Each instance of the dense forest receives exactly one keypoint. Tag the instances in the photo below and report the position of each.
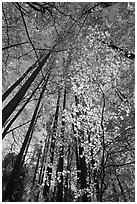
(68, 118)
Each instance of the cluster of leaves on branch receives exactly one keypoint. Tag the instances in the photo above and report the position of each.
(68, 101)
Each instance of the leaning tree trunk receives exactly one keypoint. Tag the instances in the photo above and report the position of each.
(52, 148)
(17, 114)
(10, 188)
(28, 144)
(11, 106)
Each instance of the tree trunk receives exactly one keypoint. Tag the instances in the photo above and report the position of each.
(46, 147)
(5, 95)
(36, 169)
(59, 197)
(95, 177)
(83, 174)
(20, 110)
(80, 160)
(11, 106)
(67, 178)
(52, 147)
(28, 144)
(42, 169)
(10, 188)
(60, 165)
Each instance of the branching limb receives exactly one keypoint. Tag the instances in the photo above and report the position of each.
(15, 45)
(119, 165)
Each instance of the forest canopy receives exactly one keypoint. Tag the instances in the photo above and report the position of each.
(68, 118)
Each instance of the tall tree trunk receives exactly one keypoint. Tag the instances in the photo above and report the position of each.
(11, 106)
(67, 178)
(60, 165)
(52, 147)
(17, 114)
(36, 169)
(5, 95)
(10, 188)
(83, 174)
(94, 176)
(28, 144)
(80, 160)
(44, 157)
(42, 169)
(59, 197)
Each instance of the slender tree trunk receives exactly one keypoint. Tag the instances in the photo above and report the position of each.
(59, 197)
(60, 165)
(44, 157)
(10, 188)
(11, 106)
(83, 174)
(95, 177)
(52, 147)
(36, 169)
(66, 180)
(42, 169)
(28, 144)
(17, 114)
(93, 174)
(67, 184)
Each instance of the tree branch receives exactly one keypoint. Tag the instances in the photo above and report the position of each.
(10, 46)
(119, 165)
